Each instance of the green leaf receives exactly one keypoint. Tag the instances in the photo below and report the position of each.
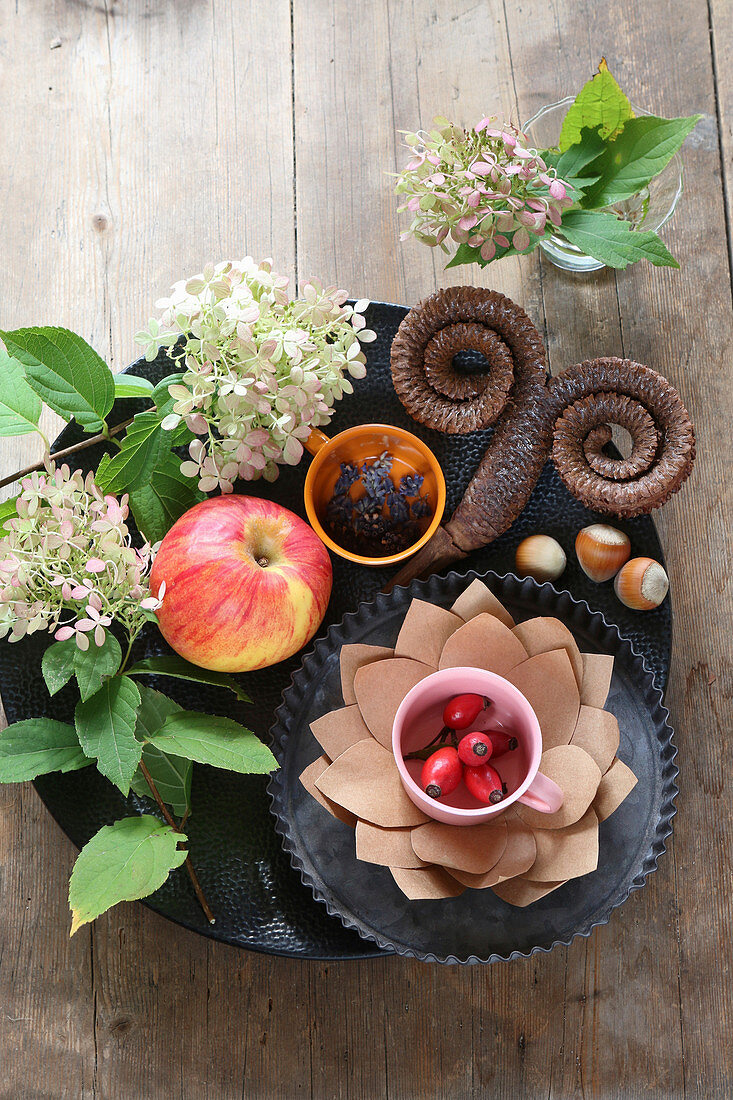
(122, 862)
(106, 728)
(131, 385)
(92, 666)
(599, 105)
(57, 664)
(221, 742)
(20, 406)
(172, 665)
(65, 372)
(37, 746)
(134, 463)
(640, 152)
(613, 241)
(466, 254)
(579, 156)
(171, 774)
(167, 495)
(8, 510)
(163, 400)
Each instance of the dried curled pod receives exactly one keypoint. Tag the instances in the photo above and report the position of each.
(511, 395)
(585, 400)
(570, 416)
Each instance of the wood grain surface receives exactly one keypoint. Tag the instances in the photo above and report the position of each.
(142, 138)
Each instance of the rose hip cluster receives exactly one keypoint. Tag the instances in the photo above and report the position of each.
(453, 755)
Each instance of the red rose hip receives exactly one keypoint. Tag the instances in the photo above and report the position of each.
(484, 783)
(475, 748)
(441, 773)
(501, 742)
(463, 710)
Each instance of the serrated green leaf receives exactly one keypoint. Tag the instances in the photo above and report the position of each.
(57, 664)
(105, 724)
(20, 406)
(466, 254)
(172, 665)
(122, 862)
(576, 159)
(65, 372)
(134, 463)
(37, 746)
(209, 739)
(92, 666)
(162, 398)
(599, 105)
(8, 511)
(167, 495)
(613, 241)
(171, 774)
(643, 148)
(131, 385)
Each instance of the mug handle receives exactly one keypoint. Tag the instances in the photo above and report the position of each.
(543, 795)
(315, 441)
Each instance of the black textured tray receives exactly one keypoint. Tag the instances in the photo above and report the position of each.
(258, 898)
(477, 926)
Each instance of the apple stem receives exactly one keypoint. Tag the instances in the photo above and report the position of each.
(171, 821)
(263, 562)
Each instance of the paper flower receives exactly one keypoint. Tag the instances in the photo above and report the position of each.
(523, 854)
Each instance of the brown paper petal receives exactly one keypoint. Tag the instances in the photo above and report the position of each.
(308, 779)
(473, 848)
(353, 657)
(578, 775)
(424, 632)
(484, 642)
(338, 730)
(426, 884)
(597, 732)
(597, 672)
(524, 891)
(548, 683)
(387, 847)
(478, 599)
(563, 854)
(616, 784)
(381, 687)
(543, 634)
(365, 780)
(517, 858)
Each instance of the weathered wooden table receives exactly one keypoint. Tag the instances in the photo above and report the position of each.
(142, 138)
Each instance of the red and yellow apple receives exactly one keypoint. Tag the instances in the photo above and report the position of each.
(247, 583)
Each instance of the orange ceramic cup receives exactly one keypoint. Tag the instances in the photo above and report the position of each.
(357, 445)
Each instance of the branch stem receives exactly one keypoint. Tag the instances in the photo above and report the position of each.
(103, 437)
(172, 822)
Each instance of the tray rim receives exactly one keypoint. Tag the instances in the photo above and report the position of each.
(139, 365)
(420, 588)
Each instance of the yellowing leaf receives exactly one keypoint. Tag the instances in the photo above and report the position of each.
(599, 105)
(122, 862)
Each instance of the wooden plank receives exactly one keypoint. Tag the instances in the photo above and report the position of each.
(130, 168)
(721, 39)
(137, 155)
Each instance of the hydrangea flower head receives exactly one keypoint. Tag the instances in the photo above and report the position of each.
(258, 370)
(482, 187)
(67, 564)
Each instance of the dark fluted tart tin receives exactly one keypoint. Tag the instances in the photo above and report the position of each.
(259, 899)
(477, 926)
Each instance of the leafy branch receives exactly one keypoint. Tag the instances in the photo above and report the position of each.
(57, 367)
(66, 551)
(139, 739)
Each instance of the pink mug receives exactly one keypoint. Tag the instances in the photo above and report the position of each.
(419, 717)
